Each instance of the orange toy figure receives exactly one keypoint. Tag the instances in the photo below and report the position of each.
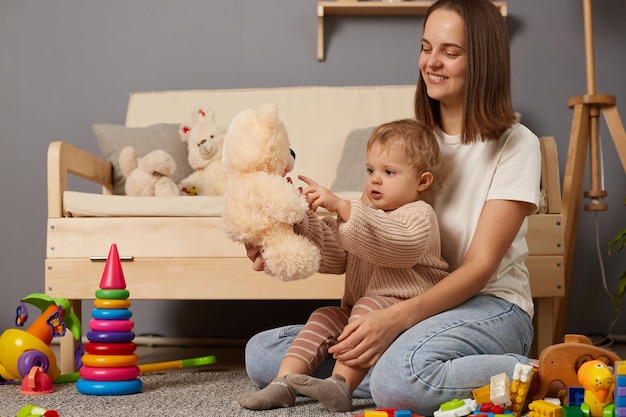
(598, 381)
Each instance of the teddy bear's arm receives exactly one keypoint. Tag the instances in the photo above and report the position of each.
(278, 199)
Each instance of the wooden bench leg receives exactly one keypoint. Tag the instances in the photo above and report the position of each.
(68, 344)
(544, 325)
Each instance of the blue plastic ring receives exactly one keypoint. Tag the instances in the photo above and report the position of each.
(111, 314)
(110, 337)
(85, 386)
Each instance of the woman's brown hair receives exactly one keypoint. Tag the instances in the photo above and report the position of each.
(488, 108)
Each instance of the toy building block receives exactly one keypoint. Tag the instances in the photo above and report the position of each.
(375, 413)
(387, 412)
(619, 370)
(575, 396)
(523, 376)
(456, 408)
(542, 408)
(572, 411)
(482, 394)
(500, 389)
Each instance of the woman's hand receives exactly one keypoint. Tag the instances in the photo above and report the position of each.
(254, 253)
(364, 340)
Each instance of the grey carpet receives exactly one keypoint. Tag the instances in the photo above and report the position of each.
(165, 394)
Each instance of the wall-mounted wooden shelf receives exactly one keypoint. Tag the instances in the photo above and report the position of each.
(372, 8)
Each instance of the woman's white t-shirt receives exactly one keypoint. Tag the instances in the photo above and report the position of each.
(505, 169)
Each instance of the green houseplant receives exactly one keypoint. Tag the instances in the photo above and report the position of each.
(619, 241)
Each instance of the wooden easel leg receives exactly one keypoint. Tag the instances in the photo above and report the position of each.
(572, 194)
(616, 129)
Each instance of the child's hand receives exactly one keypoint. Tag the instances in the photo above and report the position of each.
(318, 196)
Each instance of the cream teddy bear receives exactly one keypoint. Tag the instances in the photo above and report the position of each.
(204, 139)
(150, 175)
(260, 204)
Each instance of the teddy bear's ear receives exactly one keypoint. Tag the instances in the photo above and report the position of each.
(268, 111)
(184, 130)
(204, 113)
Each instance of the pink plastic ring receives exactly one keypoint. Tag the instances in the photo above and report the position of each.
(123, 373)
(111, 325)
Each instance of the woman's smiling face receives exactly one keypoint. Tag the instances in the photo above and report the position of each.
(443, 59)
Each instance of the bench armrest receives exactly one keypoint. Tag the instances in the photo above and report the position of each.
(64, 159)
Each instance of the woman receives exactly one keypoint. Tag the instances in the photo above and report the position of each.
(477, 321)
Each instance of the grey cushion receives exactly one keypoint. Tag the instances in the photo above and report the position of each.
(113, 138)
(351, 169)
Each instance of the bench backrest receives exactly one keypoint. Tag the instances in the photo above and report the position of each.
(318, 119)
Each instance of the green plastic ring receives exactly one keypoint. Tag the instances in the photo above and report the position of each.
(112, 294)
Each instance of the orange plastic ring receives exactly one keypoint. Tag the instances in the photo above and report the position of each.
(109, 361)
(111, 304)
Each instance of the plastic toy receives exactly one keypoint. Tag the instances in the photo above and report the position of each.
(147, 367)
(598, 381)
(31, 410)
(619, 371)
(500, 390)
(482, 394)
(387, 412)
(20, 350)
(523, 377)
(36, 382)
(110, 364)
(575, 396)
(456, 408)
(542, 408)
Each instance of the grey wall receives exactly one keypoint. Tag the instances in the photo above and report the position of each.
(67, 64)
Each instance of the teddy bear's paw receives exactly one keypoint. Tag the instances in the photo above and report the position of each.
(291, 257)
(165, 187)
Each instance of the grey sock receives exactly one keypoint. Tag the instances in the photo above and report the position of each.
(277, 394)
(333, 392)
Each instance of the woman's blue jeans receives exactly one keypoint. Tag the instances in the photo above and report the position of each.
(441, 358)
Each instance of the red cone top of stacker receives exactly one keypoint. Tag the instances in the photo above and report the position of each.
(113, 276)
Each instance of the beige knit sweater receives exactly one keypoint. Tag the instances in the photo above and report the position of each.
(395, 253)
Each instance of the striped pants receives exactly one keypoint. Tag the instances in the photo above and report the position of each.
(326, 324)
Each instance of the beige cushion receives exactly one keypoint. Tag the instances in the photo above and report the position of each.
(113, 138)
(78, 204)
